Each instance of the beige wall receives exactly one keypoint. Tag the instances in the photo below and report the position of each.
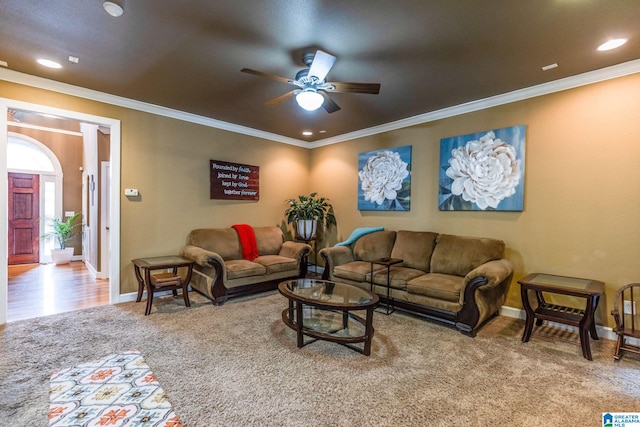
(582, 185)
(167, 160)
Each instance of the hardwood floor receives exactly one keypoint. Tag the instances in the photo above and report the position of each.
(42, 289)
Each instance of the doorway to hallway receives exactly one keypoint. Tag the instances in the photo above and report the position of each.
(114, 128)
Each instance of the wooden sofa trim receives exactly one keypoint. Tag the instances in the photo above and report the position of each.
(221, 293)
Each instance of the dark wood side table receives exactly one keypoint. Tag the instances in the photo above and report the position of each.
(583, 319)
(315, 253)
(386, 262)
(162, 281)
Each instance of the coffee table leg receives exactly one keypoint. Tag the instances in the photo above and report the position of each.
(299, 324)
(368, 331)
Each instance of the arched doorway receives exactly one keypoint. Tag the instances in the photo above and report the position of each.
(28, 156)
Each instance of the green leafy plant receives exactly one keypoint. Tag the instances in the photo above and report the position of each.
(63, 231)
(310, 207)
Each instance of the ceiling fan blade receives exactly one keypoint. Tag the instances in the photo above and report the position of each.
(267, 75)
(372, 88)
(278, 99)
(329, 105)
(322, 63)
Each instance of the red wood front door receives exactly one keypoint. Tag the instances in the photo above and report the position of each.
(24, 223)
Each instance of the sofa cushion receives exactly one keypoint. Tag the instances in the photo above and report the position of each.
(414, 248)
(237, 268)
(356, 270)
(374, 245)
(441, 286)
(223, 241)
(268, 239)
(398, 276)
(277, 263)
(459, 255)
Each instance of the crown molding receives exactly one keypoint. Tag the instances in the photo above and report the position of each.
(94, 95)
(566, 83)
(608, 73)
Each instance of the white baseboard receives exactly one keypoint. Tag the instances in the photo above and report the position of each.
(131, 296)
(603, 331)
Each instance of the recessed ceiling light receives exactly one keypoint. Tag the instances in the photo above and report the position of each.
(612, 44)
(113, 8)
(307, 133)
(49, 63)
(73, 59)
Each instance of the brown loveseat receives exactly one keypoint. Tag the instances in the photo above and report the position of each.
(220, 271)
(458, 280)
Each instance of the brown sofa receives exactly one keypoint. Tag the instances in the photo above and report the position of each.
(220, 272)
(458, 280)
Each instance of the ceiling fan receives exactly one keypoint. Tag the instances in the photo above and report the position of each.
(311, 86)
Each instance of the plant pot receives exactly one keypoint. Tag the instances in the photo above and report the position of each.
(307, 229)
(61, 256)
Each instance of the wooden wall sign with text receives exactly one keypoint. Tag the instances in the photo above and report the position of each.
(233, 181)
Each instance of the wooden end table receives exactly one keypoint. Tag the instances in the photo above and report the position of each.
(162, 281)
(386, 262)
(583, 319)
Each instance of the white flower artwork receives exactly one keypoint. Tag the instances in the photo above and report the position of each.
(483, 171)
(384, 179)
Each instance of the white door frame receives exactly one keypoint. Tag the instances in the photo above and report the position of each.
(105, 184)
(114, 220)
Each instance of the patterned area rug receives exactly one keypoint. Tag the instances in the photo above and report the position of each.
(119, 390)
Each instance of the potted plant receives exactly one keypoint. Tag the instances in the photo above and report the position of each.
(62, 231)
(308, 212)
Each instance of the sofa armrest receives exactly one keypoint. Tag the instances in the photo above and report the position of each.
(209, 262)
(200, 256)
(495, 272)
(484, 293)
(333, 256)
(295, 250)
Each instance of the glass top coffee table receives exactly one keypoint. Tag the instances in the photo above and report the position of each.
(323, 310)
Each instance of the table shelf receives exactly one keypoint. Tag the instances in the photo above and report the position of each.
(583, 319)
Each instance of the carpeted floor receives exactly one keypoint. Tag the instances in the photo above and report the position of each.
(238, 365)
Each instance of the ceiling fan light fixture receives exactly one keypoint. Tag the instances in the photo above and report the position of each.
(309, 99)
(113, 8)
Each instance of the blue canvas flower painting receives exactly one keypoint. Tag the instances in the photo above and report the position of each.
(483, 171)
(384, 179)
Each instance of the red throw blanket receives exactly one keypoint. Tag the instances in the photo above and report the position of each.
(247, 241)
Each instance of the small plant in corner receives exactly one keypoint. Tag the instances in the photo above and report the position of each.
(309, 211)
(63, 231)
